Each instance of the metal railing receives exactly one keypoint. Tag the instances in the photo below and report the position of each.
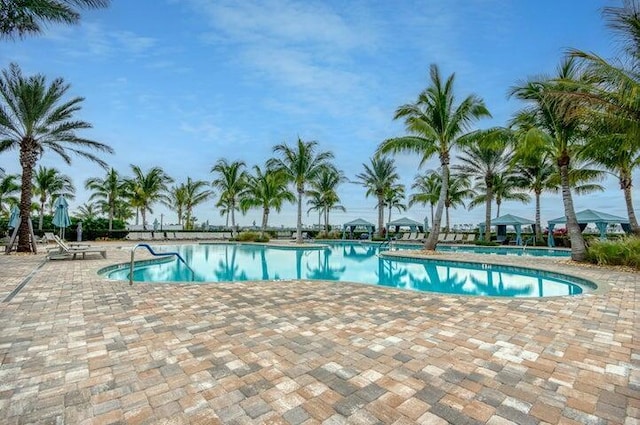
(156, 254)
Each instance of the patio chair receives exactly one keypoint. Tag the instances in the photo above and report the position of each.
(450, 237)
(471, 238)
(67, 251)
(419, 237)
(442, 237)
(458, 238)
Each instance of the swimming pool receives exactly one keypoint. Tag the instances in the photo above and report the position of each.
(350, 262)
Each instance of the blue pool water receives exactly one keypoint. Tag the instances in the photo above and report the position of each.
(351, 262)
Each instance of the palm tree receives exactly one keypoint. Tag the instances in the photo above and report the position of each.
(107, 191)
(459, 190)
(323, 192)
(378, 179)
(485, 156)
(147, 188)
(230, 180)
(428, 190)
(436, 124)
(265, 189)
(178, 200)
(9, 188)
(195, 194)
(612, 96)
(47, 184)
(19, 18)
(556, 132)
(34, 119)
(87, 212)
(507, 187)
(301, 165)
(123, 210)
(393, 199)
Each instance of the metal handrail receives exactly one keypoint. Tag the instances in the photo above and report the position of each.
(157, 254)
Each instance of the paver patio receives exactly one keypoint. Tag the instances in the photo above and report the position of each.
(77, 348)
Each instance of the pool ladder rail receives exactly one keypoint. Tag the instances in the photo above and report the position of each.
(156, 254)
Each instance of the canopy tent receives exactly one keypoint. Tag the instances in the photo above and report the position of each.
(357, 223)
(415, 226)
(601, 220)
(503, 221)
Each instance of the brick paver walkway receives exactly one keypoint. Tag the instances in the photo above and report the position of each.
(76, 348)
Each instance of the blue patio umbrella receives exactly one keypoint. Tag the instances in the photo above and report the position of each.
(61, 216)
(14, 217)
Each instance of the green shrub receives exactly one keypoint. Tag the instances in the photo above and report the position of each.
(620, 252)
(252, 237)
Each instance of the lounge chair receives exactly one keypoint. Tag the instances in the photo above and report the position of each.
(458, 238)
(67, 251)
(450, 237)
(471, 238)
(405, 237)
(442, 237)
(419, 237)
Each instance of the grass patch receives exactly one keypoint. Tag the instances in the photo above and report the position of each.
(252, 237)
(620, 252)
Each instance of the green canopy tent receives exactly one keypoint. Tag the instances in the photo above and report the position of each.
(355, 224)
(601, 220)
(503, 221)
(414, 226)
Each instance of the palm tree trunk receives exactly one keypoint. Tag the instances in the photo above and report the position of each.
(625, 183)
(299, 221)
(143, 210)
(578, 247)
(28, 158)
(538, 223)
(41, 219)
(380, 215)
(432, 240)
(498, 203)
(265, 219)
(446, 214)
(431, 217)
(326, 222)
(233, 217)
(111, 208)
(487, 213)
(137, 215)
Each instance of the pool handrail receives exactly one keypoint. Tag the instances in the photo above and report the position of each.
(156, 254)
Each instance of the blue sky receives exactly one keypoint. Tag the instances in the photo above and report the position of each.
(182, 83)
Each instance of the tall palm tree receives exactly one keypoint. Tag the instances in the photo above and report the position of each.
(107, 191)
(177, 200)
(323, 190)
(147, 189)
(34, 119)
(556, 132)
(378, 180)
(393, 199)
(229, 180)
(49, 183)
(427, 187)
(9, 188)
(195, 194)
(123, 210)
(459, 190)
(485, 156)
(436, 123)
(301, 164)
(266, 189)
(19, 18)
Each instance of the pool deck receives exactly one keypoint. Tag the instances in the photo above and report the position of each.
(79, 349)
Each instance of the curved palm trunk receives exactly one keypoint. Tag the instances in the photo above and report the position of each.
(299, 221)
(28, 158)
(380, 215)
(578, 247)
(432, 240)
(498, 203)
(538, 224)
(143, 211)
(446, 217)
(625, 185)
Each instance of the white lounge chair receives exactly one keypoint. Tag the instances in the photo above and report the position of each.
(67, 251)
(442, 237)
